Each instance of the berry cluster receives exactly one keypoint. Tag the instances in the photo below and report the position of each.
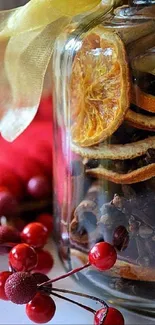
(27, 284)
(25, 171)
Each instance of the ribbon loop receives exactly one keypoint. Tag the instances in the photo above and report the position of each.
(27, 36)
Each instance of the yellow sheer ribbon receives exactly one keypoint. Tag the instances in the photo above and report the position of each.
(27, 36)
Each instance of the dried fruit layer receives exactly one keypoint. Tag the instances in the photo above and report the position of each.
(99, 87)
(121, 269)
(140, 121)
(138, 175)
(143, 100)
(116, 151)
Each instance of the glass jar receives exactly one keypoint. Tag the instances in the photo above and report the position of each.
(104, 156)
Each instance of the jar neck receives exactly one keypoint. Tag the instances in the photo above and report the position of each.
(144, 3)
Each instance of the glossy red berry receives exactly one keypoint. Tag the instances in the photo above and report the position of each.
(103, 256)
(23, 257)
(47, 220)
(39, 187)
(41, 309)
(45, 262)
(41, 278)
(110, 316)
(9, 234)
(3, 277)
(21, 287)
(35, 234)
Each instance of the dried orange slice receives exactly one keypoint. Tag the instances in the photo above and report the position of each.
(140, 121)
(121, 269)
(136, 176)
(143, 100)
(116, 151)
(99, 87)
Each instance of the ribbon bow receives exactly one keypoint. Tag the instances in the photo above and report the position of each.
(27, 36)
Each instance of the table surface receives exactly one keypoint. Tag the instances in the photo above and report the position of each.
(66, 314)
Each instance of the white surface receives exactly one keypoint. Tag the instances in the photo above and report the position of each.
(66, 313)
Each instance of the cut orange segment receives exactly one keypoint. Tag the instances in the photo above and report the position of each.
(143, 100)
(99, 87)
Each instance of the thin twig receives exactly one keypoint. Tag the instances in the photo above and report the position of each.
(81, 295)
(74, 302)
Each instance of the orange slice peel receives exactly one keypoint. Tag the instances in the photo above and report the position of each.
(99, 88)
(140, 121)
(135, 176)
(143, 100)
(116, 151)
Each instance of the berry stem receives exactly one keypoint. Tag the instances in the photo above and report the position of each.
(81, 295)
(65, 275)
(74, 302)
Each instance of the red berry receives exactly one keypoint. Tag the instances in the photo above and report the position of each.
(35, 234)
(103, 256)
(39, 187)
(3, 277)
(41, 309)
(45, 262)
(23, 257)
(41, 278)
(21, 287)
(8, 204)
(9, 234)
(111, 316)
(47, 220)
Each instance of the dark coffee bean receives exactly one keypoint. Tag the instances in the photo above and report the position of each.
(121, 238)
(76, 168)
(119, 166)
(92, 163)
(151, 153)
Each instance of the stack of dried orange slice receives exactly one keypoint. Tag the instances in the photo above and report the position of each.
(100, 96)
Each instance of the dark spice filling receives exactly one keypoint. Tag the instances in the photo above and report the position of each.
(124, 166)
